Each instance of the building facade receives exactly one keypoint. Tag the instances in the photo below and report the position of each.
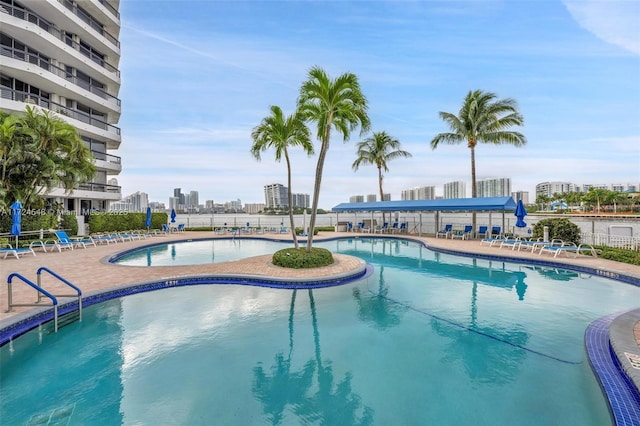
(276, 196)
(356, 199)
(494, 187)
(421, 193)
(521, 195)
(456, 189)
(63, 56)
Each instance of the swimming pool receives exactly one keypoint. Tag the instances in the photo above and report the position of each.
(429, 338)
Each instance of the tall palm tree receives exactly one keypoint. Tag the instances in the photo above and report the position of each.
(377, 150)
(330, 103)
(280, 133)
(482, 118)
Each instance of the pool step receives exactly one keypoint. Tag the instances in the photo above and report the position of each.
(58, 417)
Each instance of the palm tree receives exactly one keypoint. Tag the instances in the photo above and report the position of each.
(330, 103)
(482, 118)
(280, 133)
(377, 150)
(543, 199)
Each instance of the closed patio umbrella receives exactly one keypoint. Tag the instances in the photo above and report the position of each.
(147, 222)
(173, 215)
(520, 213)
(16, 218)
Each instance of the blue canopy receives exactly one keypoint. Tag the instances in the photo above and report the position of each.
(449, 204)
(147, 222)
(520, 213)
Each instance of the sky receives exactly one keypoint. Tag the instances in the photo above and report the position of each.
(198, 76)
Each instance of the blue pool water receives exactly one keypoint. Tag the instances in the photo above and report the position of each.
(428, 338)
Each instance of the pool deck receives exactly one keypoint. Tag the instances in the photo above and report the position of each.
(89, 270)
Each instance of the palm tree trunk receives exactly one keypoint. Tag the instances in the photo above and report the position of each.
(290, 198)
(316, 191)
(474, 192)
(291, 311)
(381, 192)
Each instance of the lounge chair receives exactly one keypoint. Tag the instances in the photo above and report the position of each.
(394, 227)
(482, 231)
(445, 232)
(403, 228)
(165, 229)
(382, 229)
(512, 242)
(64, 239)
(464, 234)
(16, 252)
(496, 232)
(568, 248)
(180, 227)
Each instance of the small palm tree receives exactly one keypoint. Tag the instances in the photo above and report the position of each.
(280, 133)
(481, 118)
(378, 150)
(330, 103)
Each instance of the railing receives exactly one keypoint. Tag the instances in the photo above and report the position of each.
(88, 19)
(34, 59)
(29, 16)
(99, 187)
(78, 291)
(106, 157)
(43, 102)
(617, 241)
(39, 289)
(110, 8)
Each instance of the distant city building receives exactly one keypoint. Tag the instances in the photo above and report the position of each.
(421, 193)
(521, 195)
(254, 208)
(174, 203)
(157, 206)
(372, 198)
(276, 196)
(551, 188)
(193, 200)
(456, 189)
(301, 200)
(386, 197)
(548, 189)
(356, 199)
(233, 206)
(138, 202)
(494, 187)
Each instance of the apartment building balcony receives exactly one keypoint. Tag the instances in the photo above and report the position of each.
(53, 79)
(89, 190)
(14, 100)
(110, 163)
(37, 32)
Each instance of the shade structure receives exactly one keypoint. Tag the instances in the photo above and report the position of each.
(147, 222)
(446, 205)
(173, 215)
(16, 219)
(520, 213)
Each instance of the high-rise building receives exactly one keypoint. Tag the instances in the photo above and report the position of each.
(456, 189)
(521, 195)
(63, 56)
(301, 200)
(386, 197)
(421, 193)
(356, 199)
(548, 189)
(372, 198)
(494, 187)
(276, 196)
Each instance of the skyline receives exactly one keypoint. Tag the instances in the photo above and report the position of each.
(197, 79)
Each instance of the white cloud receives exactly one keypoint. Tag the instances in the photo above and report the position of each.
(615, 22)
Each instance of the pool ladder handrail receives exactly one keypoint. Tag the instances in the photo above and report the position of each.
(41, 291)
(65, 281)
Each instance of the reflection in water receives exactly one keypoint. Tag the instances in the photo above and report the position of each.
(378, 308)
(329, 405)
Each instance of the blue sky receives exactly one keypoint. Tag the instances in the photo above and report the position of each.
(198, 76)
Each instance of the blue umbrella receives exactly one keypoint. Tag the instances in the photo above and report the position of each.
(173, 216)
(16, 217)
(148, 221)
(520, 213)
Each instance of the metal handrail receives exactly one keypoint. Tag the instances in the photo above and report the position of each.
(38, 289)
(90, 20)
(29, 16)
(79, 292)
(13, 53)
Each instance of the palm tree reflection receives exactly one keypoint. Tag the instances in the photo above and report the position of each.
(378, 308)
(329, 405)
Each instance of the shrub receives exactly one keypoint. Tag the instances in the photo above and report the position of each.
(619, 255)
(69, 222)
(560, 228)
(300, 259)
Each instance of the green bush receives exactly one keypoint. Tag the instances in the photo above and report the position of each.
(619, 255)
(300, 259)
(560, 228)
(116, 221)
(70, 223)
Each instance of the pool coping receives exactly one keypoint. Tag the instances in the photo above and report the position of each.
(617, 331)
